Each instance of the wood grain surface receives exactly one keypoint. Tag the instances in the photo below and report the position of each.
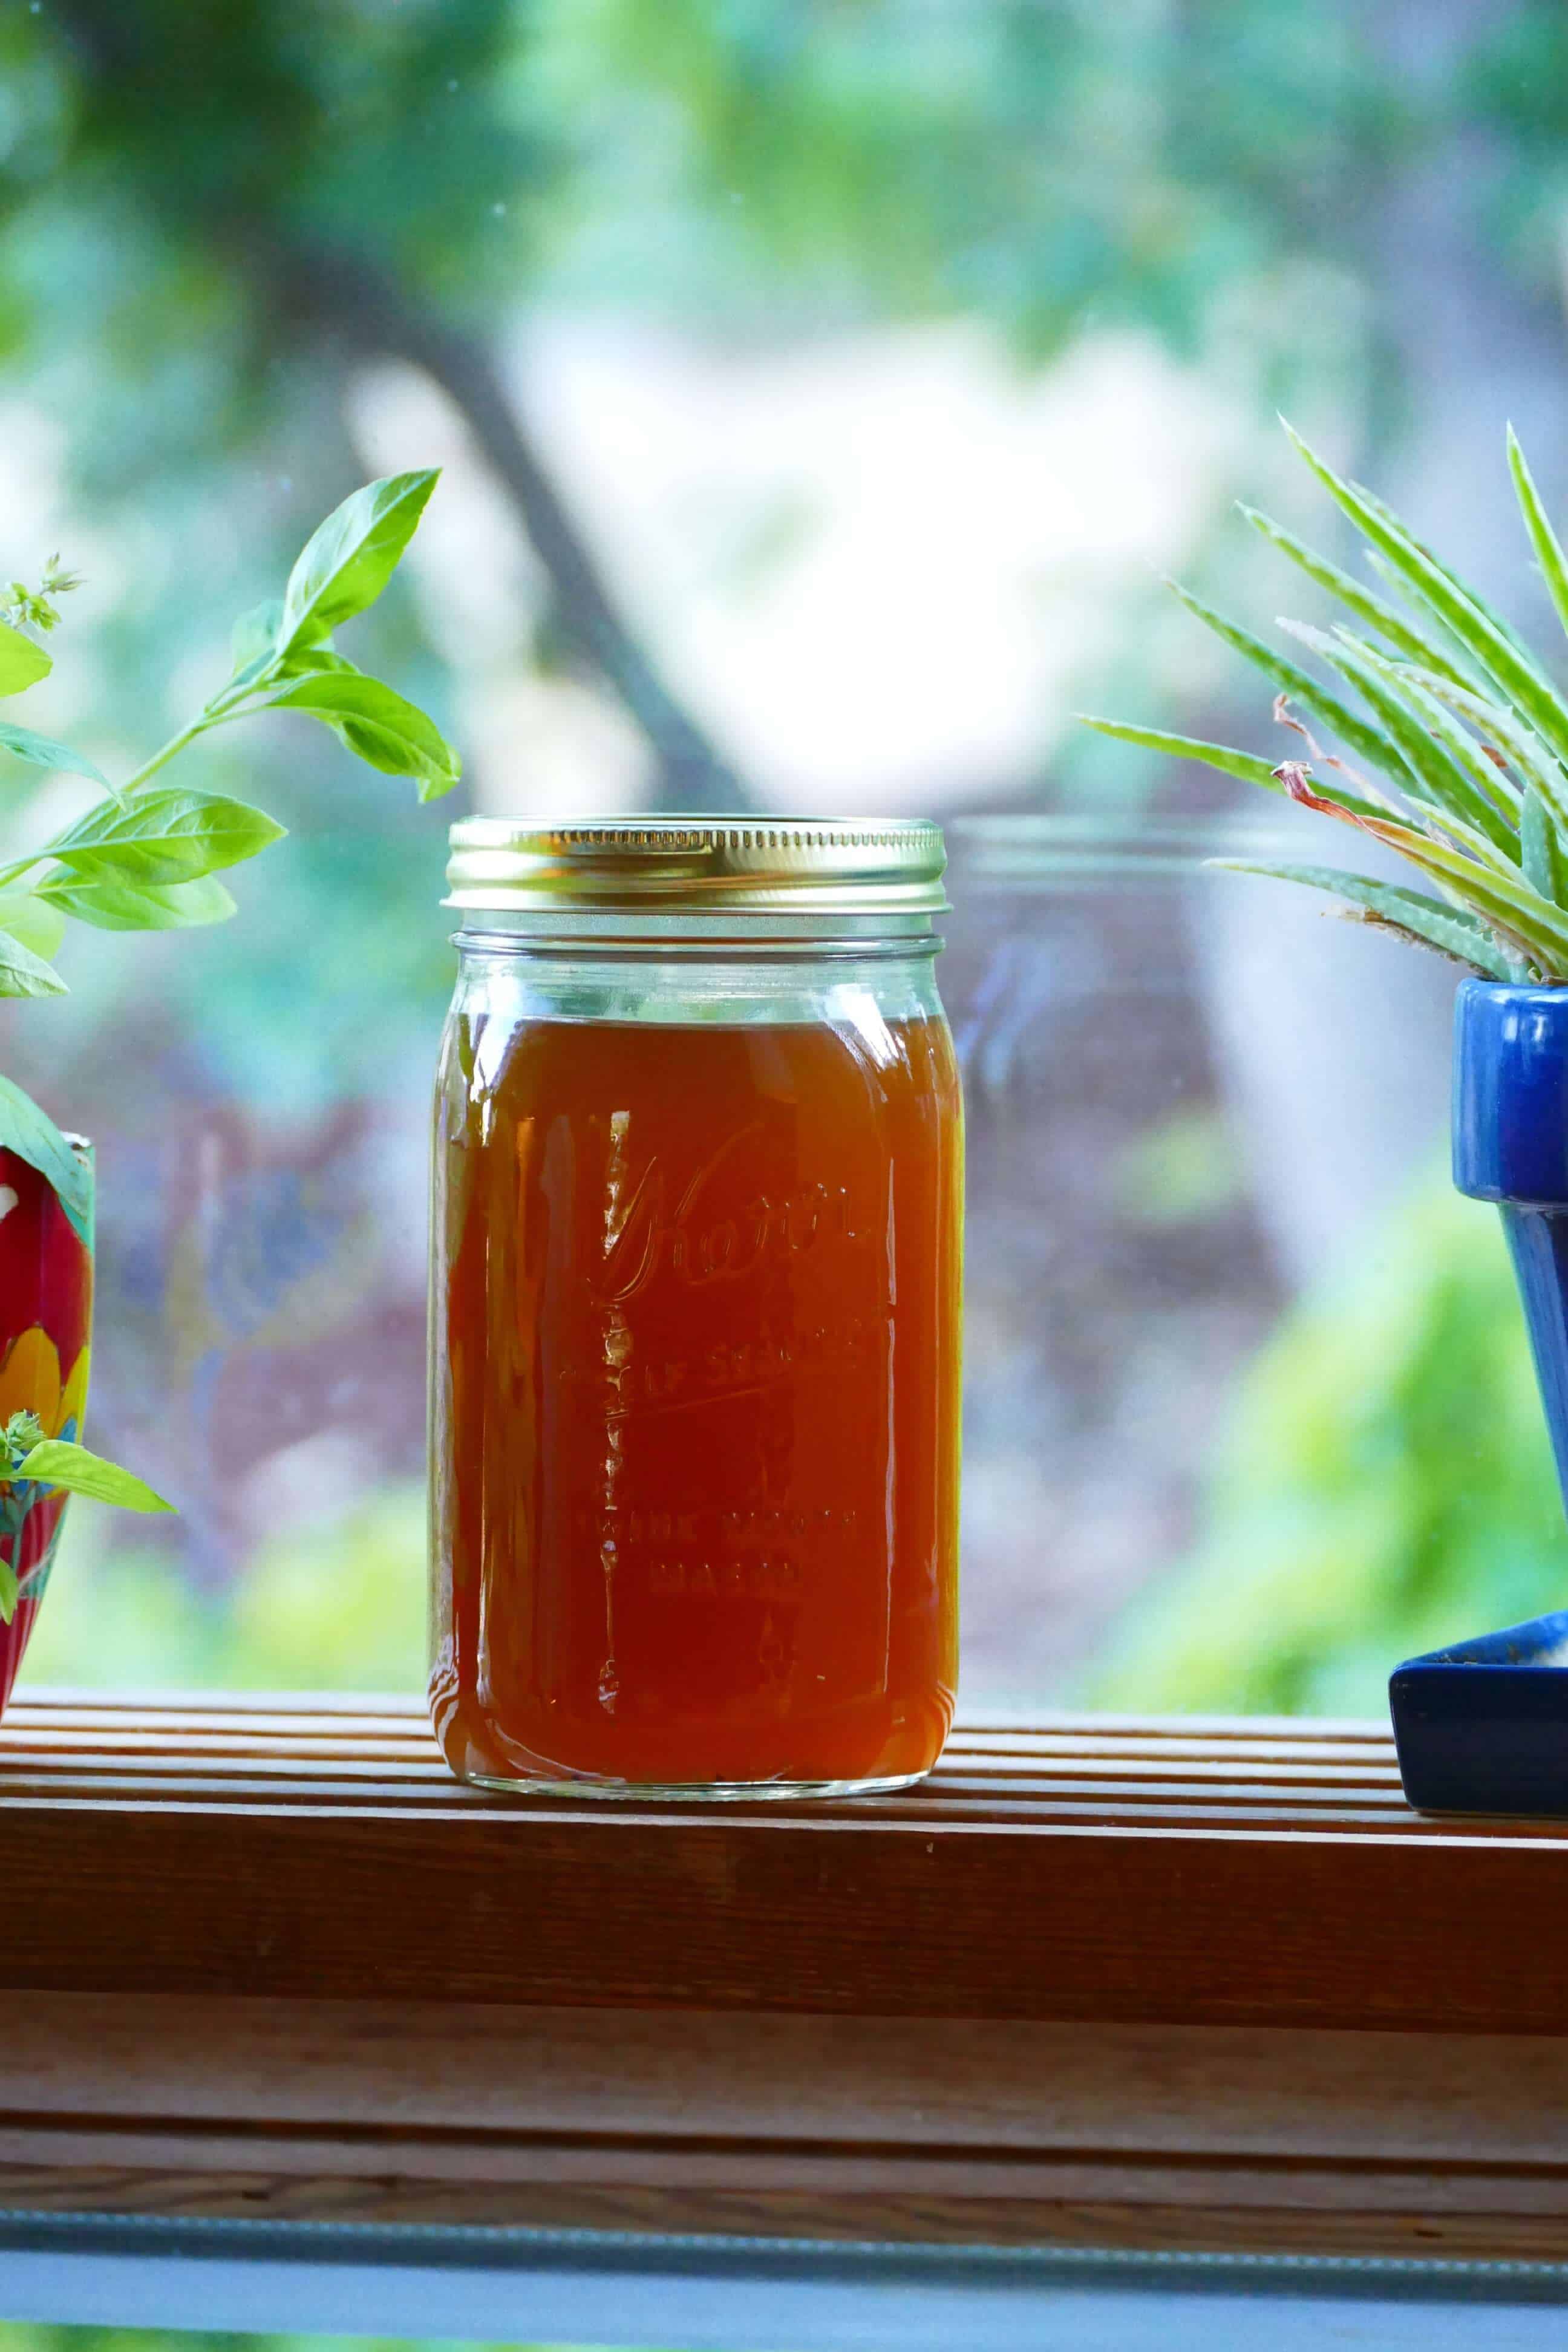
(1157, 2135)
(1234, 1873)
(1097, 1982)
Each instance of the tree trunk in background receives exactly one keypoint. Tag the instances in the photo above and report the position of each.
(350, 298)
(344, 295)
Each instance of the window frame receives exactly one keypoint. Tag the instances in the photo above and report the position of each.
(1206, 1984)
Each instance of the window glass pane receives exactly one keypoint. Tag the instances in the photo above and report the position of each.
(819, 394)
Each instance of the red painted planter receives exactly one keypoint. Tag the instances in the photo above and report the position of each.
(46, 1325)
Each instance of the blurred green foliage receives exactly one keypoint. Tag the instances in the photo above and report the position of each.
(339, 1606)
(1186, 1167)
(1384, 1486)
(162, 173)
(35, 2337)
(203, 215)
(1044, 163)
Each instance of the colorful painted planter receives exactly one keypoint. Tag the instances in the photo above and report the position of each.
(46, 1326)
(1482, 1726)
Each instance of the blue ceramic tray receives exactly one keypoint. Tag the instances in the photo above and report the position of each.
(1483, 1727)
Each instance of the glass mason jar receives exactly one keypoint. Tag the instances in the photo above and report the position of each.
(695, 1329)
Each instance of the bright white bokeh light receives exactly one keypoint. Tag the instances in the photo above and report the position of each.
(873, 566)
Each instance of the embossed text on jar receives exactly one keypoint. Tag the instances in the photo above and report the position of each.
(697, 1398)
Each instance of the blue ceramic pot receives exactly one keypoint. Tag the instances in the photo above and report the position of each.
(1511, 1146)
(1483, 1727)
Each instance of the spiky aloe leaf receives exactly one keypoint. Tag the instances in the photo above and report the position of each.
(1480, 631)
(1431, 771)
(1427, 920)
(1437, 720)
(1515, 967)
(1471, 594)
(1512, 909)
(1389, 623)
(1505, 732)
(1245, 765)
(1457, 661)
(1299, 684)
(1544, 864)
(1543, 539)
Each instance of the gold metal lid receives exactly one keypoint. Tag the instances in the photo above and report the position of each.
(698, 865)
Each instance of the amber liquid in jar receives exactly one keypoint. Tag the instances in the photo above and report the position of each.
(696, 1401)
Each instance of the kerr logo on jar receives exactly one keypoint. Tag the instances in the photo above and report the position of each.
(698, 1238)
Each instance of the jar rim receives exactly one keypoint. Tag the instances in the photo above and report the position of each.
(1036, 847)
(699, 865)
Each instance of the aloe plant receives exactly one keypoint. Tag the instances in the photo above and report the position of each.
(1453, 750)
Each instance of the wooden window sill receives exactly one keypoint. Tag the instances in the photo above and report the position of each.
(1158, 1984)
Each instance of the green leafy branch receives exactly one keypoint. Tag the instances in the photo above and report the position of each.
(1463, 732)
(32, 1465)
(147, 856)
(37, 608)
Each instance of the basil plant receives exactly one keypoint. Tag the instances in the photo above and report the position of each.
(148, 854)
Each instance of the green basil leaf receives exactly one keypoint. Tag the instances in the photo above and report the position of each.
(22, 662)
(306, 660)
(376, 722)
(349, 561)
(164, 837)
(7, 1593)
(33, 1136)
(57, 1462)
(254, 635)
(44, 753)
(27, 917)
(118, 906)
(23, 974)
(1446, 929)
